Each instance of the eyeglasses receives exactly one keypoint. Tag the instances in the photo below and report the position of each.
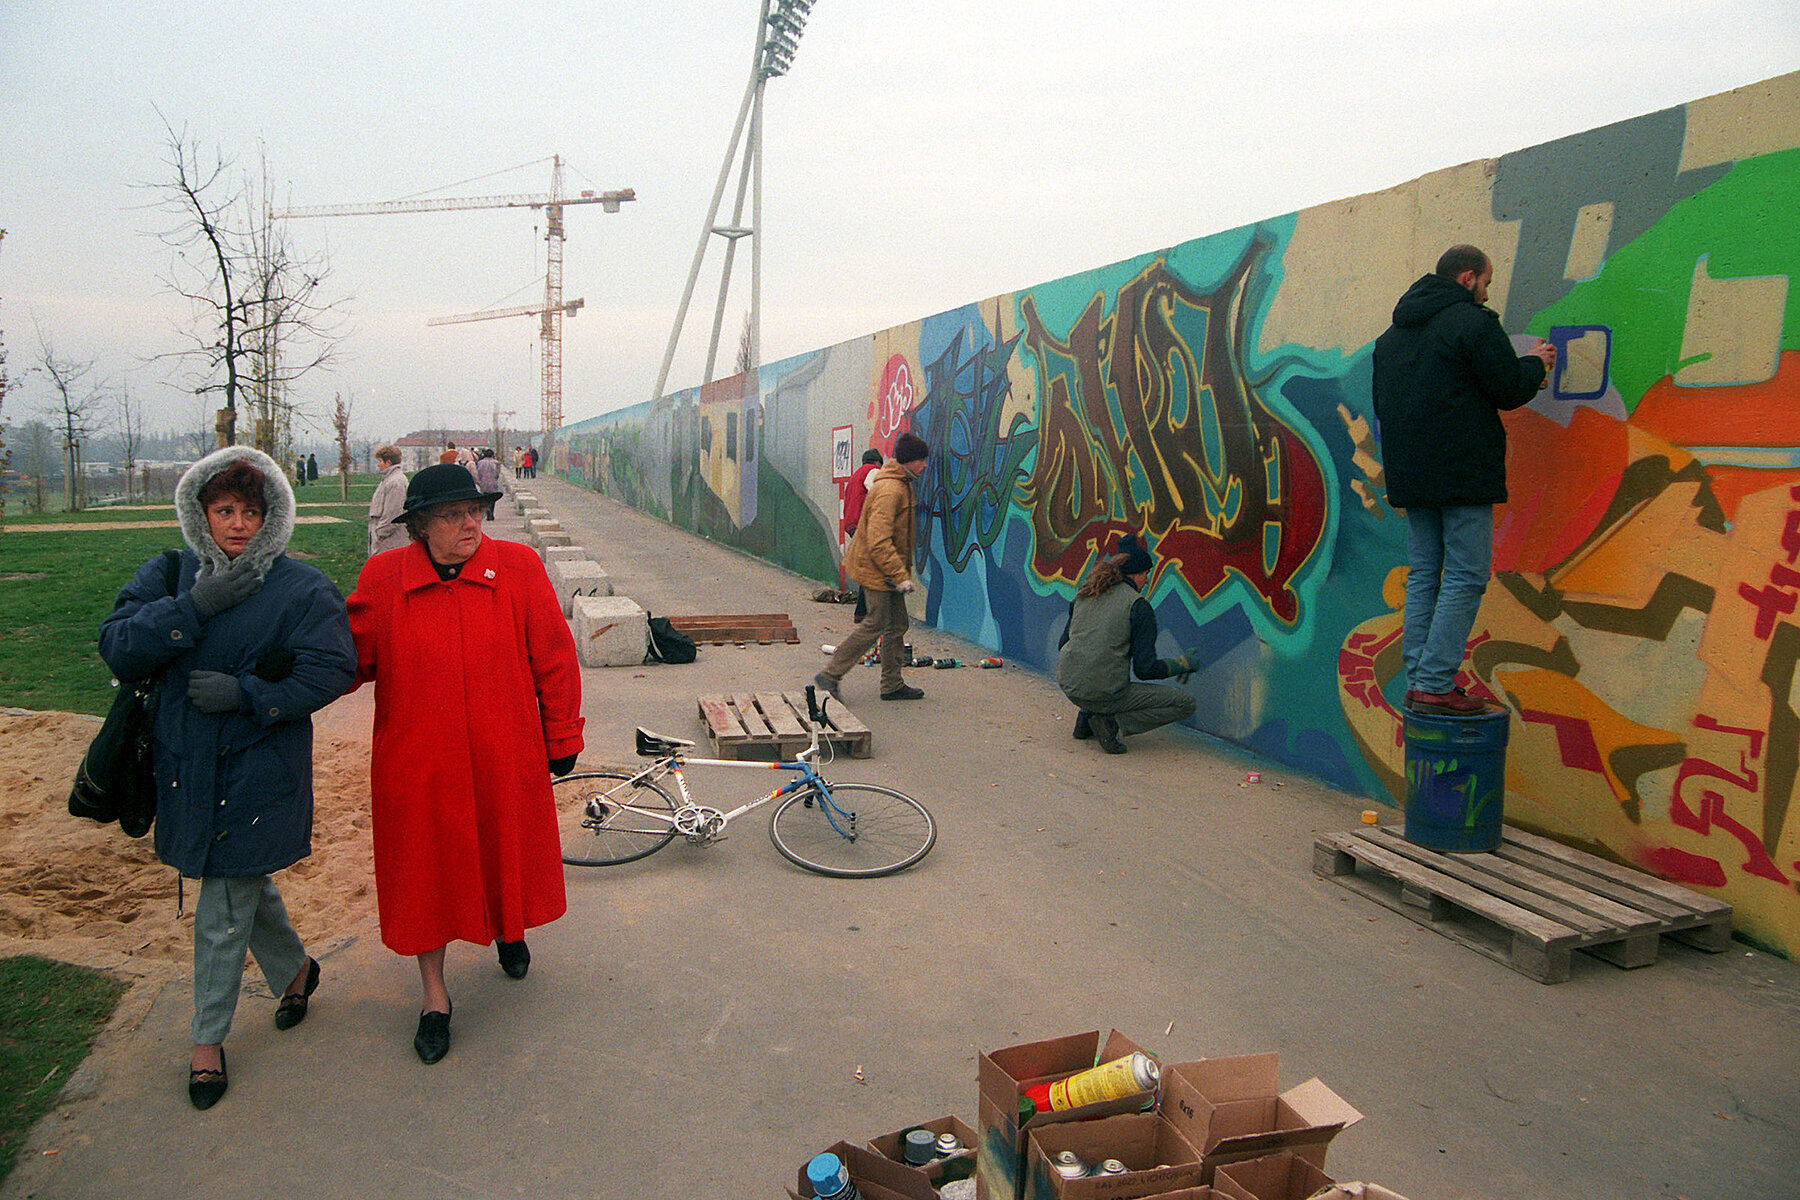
(456, 514)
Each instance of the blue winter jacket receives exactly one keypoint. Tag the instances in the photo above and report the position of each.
(234, 790)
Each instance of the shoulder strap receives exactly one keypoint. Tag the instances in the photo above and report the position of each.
(172, 569)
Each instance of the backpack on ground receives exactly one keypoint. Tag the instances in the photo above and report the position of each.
(669, 644)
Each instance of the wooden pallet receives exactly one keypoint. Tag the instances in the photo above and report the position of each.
(778, 721)
(1529, 904)
(761, 628)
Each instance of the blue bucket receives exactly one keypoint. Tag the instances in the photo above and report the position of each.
(1456, 779)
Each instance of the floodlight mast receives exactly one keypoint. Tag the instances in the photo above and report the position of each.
(777, 39)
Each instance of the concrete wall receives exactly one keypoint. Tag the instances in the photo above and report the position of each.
(1215, 396)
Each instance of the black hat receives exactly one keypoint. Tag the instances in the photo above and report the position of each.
(1137, 559)
(910, 447)
(441, 483)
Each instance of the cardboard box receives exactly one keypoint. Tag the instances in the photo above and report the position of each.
(1229, 1109)
(1003, 1076)
(1283, 1176)
(888, 1144)
(875, 1177)
(1159, 1158)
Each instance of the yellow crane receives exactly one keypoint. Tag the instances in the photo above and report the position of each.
(552, 202)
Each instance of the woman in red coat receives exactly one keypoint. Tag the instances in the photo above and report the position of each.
(477, 706)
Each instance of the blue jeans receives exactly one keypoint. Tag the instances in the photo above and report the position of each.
(1449, 553)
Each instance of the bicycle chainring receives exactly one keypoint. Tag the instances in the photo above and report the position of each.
(699, 823)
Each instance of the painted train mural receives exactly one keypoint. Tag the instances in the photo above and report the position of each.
(1643, 622)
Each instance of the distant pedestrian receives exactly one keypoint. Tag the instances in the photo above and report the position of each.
(1111, 636)
(312, 467)
(300, 471)
(880, 559)
(386, 503)
(487, 477)
(1444, 371)
(449, 454)
(854, 494)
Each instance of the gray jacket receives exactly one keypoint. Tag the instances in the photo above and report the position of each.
(234, 790)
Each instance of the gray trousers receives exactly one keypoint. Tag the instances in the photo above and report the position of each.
(234, 915)
(1143, 706)
(887, 622)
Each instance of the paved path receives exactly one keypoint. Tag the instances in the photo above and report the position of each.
(695, 1025)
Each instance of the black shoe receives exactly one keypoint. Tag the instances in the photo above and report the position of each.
(432, 1041)
(826, 683)
(205, 1087)
(1083, 730)
(1106, 732)
(292, 1009)
(904, 692)
(515, 958)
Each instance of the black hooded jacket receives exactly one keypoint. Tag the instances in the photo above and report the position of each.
(1444, 371)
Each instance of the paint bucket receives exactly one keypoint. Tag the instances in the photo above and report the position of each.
(1456, 779)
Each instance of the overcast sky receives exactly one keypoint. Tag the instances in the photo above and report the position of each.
(919, 156)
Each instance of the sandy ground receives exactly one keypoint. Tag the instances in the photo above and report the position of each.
(86, 893)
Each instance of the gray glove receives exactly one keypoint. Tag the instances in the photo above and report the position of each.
(213, 692)
(217, 592)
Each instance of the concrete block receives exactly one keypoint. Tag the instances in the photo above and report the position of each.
(547, 539)
(579, 578)
(610, 631)
(564, 554)
(524, 500)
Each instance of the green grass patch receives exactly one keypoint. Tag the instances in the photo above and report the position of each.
(50, 1013)
(57, 586)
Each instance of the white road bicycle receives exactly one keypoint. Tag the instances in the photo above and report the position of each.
(848, 830)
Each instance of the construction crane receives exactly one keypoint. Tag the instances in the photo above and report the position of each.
(552, 202)
(522, 310)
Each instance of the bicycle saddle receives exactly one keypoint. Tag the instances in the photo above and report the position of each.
(655, 745)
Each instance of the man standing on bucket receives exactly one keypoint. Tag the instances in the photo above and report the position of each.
(1444, 371)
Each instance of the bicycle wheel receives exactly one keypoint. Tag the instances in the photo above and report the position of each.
(605, 819)
(879, 831)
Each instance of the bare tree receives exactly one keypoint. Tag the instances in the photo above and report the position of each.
(259, 322)
(36, 456)
(6, 385)
(78, 402)
(131, 434)
(340, 421)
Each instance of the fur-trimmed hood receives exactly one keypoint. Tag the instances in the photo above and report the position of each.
(270, 541)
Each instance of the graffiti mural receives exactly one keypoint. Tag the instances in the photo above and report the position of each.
(1643, 621)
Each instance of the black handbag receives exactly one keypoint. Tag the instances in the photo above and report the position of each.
(116, 780)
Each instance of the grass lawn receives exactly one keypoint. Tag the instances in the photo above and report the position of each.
(56, 588)
(50, 1013)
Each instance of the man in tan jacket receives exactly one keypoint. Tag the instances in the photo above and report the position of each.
(880, 559)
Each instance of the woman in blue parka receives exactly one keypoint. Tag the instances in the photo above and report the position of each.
(250, 644)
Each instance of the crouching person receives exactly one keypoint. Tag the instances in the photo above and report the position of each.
(1111, 635)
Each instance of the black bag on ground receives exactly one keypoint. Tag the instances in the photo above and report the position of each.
(115, 781)
(669, 644)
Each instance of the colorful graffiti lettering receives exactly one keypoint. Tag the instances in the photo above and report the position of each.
(893, 400)
(1147, 424)
(968, 485)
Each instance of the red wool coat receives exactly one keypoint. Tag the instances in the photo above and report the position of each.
(477, 688)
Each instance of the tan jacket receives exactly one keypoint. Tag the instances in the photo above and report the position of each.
(881, 553)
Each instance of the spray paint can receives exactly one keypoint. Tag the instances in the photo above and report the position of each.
(1113, 1080)
(830, 1178)
(990, 663)
(948, 1144)
(1069, 1165)
(1111, 1166)
(920, 1147)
